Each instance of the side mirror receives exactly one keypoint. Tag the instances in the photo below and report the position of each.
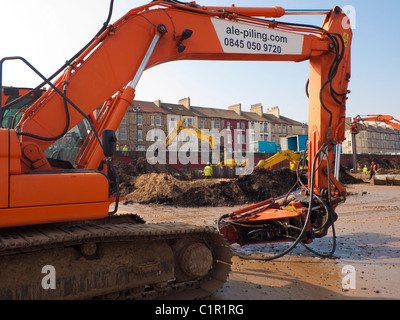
(109, 142)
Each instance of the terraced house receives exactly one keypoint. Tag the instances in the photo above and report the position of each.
(230, 125)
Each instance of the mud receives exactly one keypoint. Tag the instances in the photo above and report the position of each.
(166, 189)
(367, 239)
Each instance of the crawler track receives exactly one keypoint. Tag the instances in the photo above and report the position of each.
(117, 257)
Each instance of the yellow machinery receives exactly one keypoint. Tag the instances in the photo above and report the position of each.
(212, 142)
(202, 135)
(293, 157)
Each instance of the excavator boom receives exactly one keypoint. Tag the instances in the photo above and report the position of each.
(56, 156)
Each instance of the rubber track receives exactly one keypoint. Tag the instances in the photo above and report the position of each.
(129, 227)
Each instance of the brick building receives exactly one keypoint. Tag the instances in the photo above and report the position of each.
(136, 130)
(230, 125)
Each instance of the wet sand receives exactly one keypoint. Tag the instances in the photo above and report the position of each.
(367, 252)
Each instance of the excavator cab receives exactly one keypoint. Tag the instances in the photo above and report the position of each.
(64, 151)
(10, 116)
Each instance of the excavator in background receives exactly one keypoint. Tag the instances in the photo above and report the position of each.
(293, 157)
(212, 143)
(55, 212)
(355, 129)
(200, 134)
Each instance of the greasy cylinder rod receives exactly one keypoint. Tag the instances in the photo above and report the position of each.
(306, 11)
(161, 30)
(273, 12)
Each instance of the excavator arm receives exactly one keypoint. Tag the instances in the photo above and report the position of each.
(157, 33)
(389, 120)
(290, 155)
(198, 133)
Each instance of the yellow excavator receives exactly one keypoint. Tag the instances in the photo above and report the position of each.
(204, 136)
(293, 157)
(200, 134)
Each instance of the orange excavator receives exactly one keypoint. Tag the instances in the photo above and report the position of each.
(355, 129)
(57, 173)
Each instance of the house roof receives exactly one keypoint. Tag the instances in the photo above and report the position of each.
(146, 107)
(177, 109)
(291, 121)
(252, 116)
(207, 112)
(216, 113)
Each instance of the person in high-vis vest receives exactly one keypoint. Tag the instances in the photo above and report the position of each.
(372, 170)
(208, 171)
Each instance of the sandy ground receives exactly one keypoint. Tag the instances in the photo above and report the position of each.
(367, 252)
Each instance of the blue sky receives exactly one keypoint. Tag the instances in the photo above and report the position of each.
(48, 32)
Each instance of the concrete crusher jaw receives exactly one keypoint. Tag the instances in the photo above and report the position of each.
(115, 258)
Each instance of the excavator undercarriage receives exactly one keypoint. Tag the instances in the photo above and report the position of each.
(117, 257)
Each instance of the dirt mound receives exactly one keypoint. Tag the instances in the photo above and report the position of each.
(346, 178)
(143, 183)
(128, 173)
(382, 164)
(166, 189)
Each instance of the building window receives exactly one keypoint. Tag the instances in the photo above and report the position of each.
(140, 148)
(123, 134)
(202, 124)
(273, 129)
(229, 138)
(152, 120)
(188, 122)
(228, 125)
(217, 124)
(140, 135)
(124, 121)
(243, 126)
(158, 121)
(139, 120)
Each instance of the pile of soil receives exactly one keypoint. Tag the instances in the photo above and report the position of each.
(346, 178)
(163, 188)
(143, 183)
(128, 173)
(383, 165)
